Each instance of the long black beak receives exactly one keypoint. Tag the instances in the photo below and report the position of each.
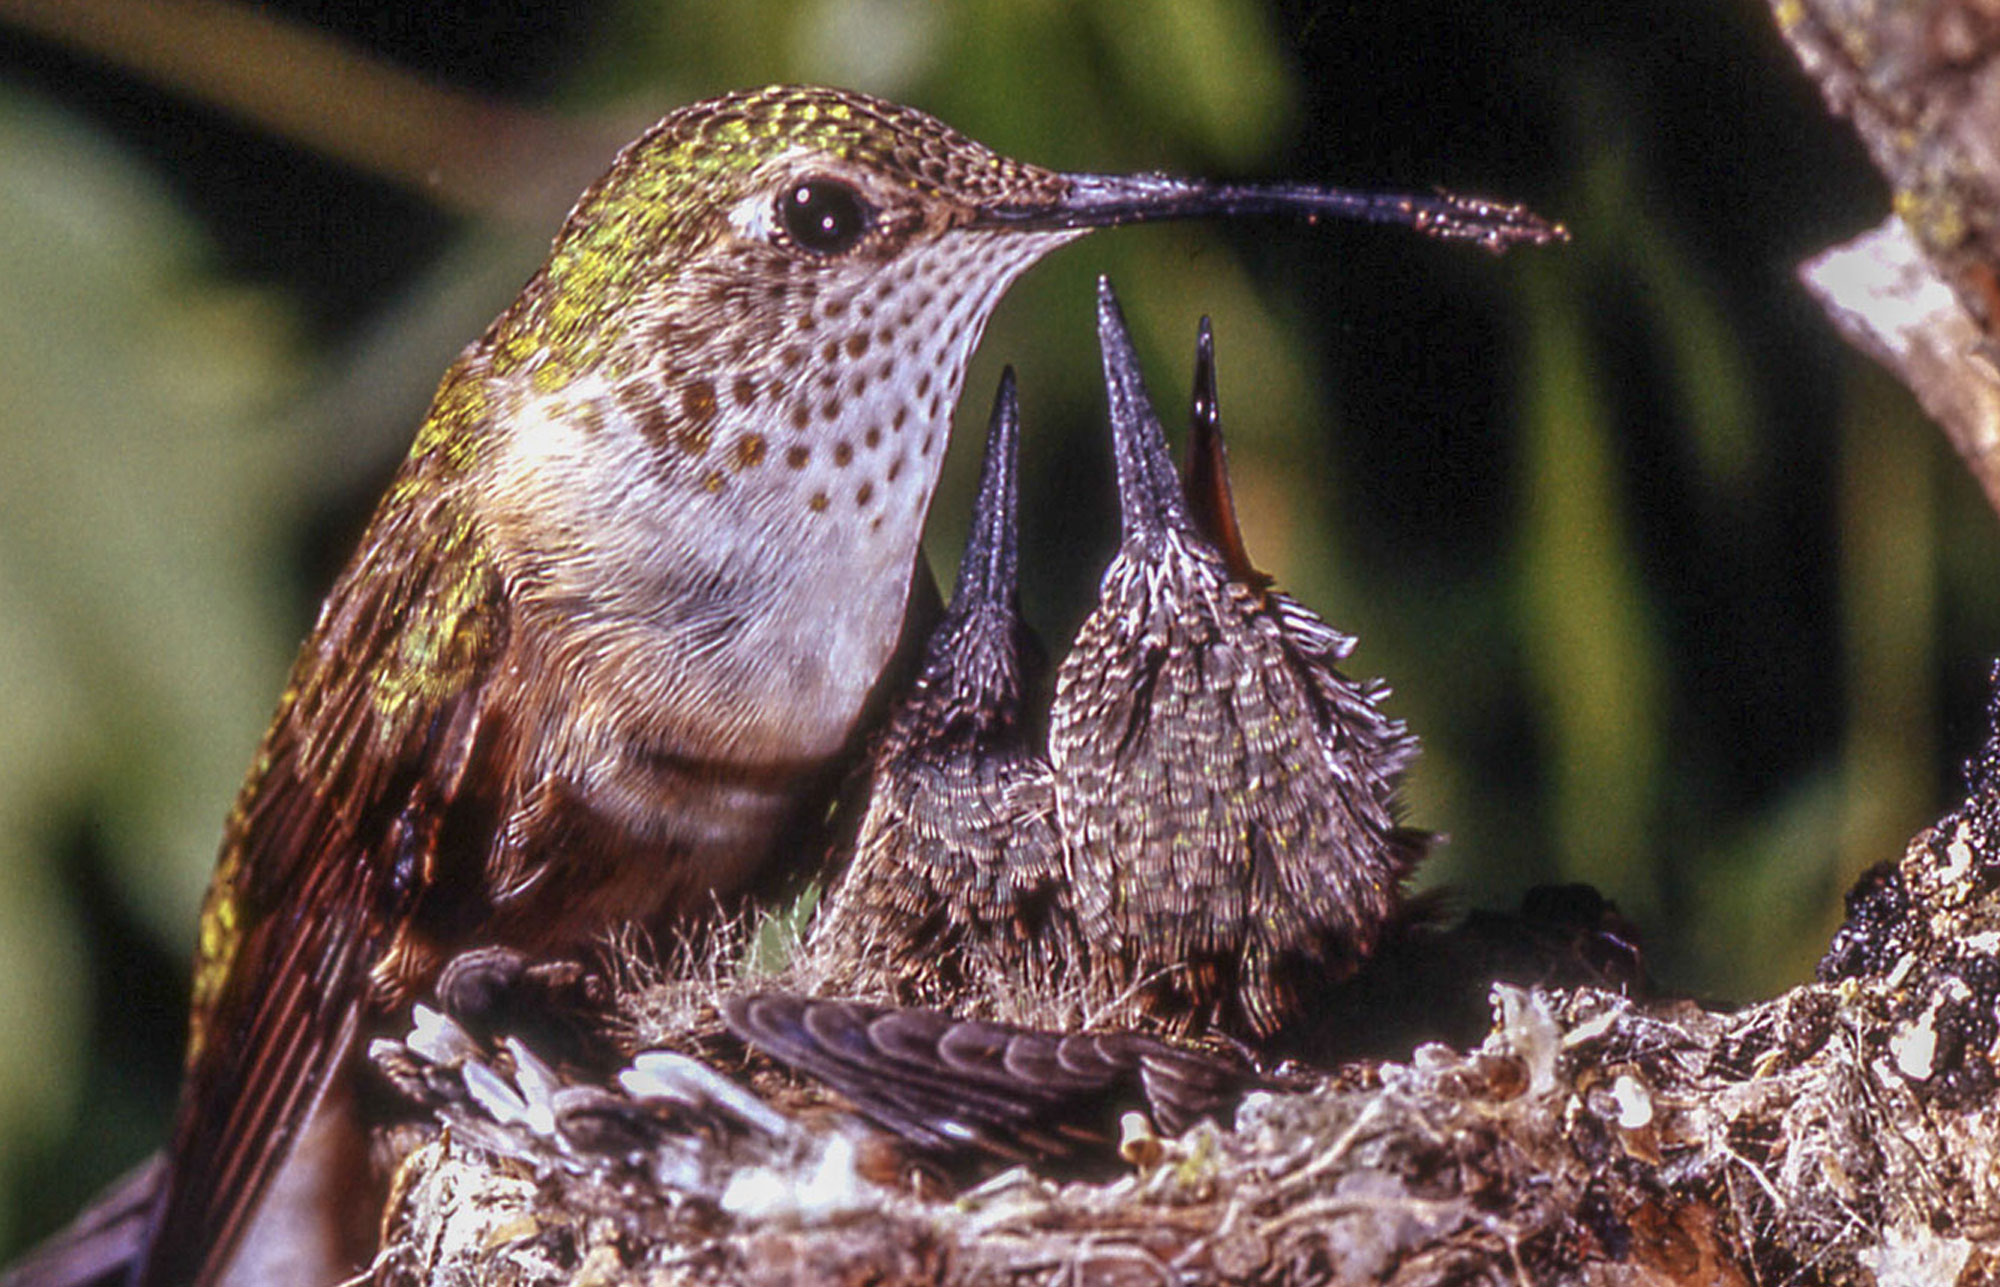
(1105, 200)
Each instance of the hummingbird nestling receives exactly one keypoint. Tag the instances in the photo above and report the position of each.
(1225, 795)
(610, 632)
(951, 897)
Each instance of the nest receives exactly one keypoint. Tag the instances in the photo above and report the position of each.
(1840, 1133)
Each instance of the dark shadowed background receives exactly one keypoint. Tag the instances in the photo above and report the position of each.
(1684, 599)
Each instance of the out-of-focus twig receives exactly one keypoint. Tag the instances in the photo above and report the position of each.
(1889, 302)
(463, 151)
(1920, 80)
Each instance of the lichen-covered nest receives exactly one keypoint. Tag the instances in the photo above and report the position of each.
(1842, 1133)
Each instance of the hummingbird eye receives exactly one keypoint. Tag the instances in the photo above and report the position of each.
(824, 216)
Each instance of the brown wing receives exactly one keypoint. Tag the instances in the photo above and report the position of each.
(949, 1085)
(333, 841)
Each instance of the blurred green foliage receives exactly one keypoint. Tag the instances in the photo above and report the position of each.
(1684, 600)
(144, 496)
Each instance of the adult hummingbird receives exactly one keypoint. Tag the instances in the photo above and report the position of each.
(612, 628)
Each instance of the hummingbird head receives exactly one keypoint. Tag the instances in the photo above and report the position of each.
(778, 292)
(721, 407)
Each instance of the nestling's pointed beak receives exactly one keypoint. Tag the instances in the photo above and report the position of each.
(1149, 491)
(988, 570)
(1206, 481)
(1105, 200)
